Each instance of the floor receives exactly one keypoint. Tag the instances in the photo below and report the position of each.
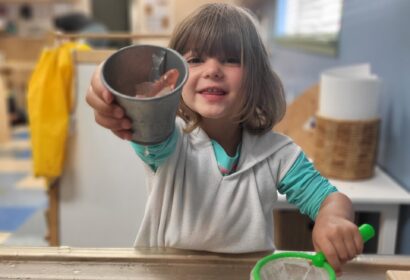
(23, 199)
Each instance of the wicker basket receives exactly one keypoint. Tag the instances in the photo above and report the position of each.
(346, 149)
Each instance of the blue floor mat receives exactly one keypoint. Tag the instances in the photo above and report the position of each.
(21, 209)
(11, 218)
(8, 180)
(21, 135)
(16, 154)
(23, 198)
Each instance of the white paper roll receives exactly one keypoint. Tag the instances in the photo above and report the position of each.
(349, 93)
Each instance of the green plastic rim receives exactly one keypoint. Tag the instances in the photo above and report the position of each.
(366, 231)
(299, 255)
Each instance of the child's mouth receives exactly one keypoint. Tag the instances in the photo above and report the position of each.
(213, 91)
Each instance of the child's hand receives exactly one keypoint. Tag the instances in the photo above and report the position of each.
(107, 113)
(335, 234)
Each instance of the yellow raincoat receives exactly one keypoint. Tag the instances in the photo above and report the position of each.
(49, 103)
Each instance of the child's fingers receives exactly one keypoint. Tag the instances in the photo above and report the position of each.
(331, 254)
(97, 86)
(334, 262)
(171, 77)
(164, 84)
(358, 241)
(352, 240)
(107, 96)
(146, 89)
(100, 106)
(112, 123)
(351, 248)
(167, 81)
(341, 250)
(344, 243)
(123, 134)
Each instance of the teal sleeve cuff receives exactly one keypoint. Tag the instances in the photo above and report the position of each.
(155, 155)
(305, 187)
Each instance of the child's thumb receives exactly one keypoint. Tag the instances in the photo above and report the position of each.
(107, 96)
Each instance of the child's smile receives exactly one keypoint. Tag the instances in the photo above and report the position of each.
(213, 94)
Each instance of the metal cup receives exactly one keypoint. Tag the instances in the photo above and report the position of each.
(153, 119)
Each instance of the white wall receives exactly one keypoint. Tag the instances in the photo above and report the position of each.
(101, 202)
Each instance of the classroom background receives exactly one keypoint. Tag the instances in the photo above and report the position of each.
(98, 198)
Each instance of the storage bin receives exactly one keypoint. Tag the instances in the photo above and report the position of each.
(346, 150)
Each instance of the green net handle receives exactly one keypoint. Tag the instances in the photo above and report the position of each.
(366, 231)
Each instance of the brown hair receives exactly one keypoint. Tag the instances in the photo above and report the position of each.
(222, 29)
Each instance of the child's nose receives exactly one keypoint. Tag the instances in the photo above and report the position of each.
(213, 69)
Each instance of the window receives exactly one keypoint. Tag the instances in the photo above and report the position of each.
(312, 25)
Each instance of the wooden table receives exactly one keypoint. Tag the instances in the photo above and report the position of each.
(110, 263)
(378, 194)
(398, 275)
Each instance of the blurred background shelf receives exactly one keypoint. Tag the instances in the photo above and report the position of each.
(37, 1)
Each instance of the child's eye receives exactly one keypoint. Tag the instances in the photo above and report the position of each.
(194, 60)
(233, 60)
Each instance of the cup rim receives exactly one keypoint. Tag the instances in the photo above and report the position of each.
(146, 99)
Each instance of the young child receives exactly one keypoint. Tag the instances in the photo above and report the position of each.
(214, 182)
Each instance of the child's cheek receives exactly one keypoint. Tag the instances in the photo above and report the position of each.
(188, 89)
(185, 95)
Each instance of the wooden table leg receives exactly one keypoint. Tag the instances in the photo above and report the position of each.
(53, 214)
(4, 118)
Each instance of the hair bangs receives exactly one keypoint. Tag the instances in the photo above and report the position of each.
(207, 38)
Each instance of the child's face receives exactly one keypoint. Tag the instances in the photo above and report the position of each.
(213, 88)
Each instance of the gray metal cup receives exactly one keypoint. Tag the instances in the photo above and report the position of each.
(153, 119)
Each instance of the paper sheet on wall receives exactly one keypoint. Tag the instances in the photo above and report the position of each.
(157, 15)
(349, 93)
